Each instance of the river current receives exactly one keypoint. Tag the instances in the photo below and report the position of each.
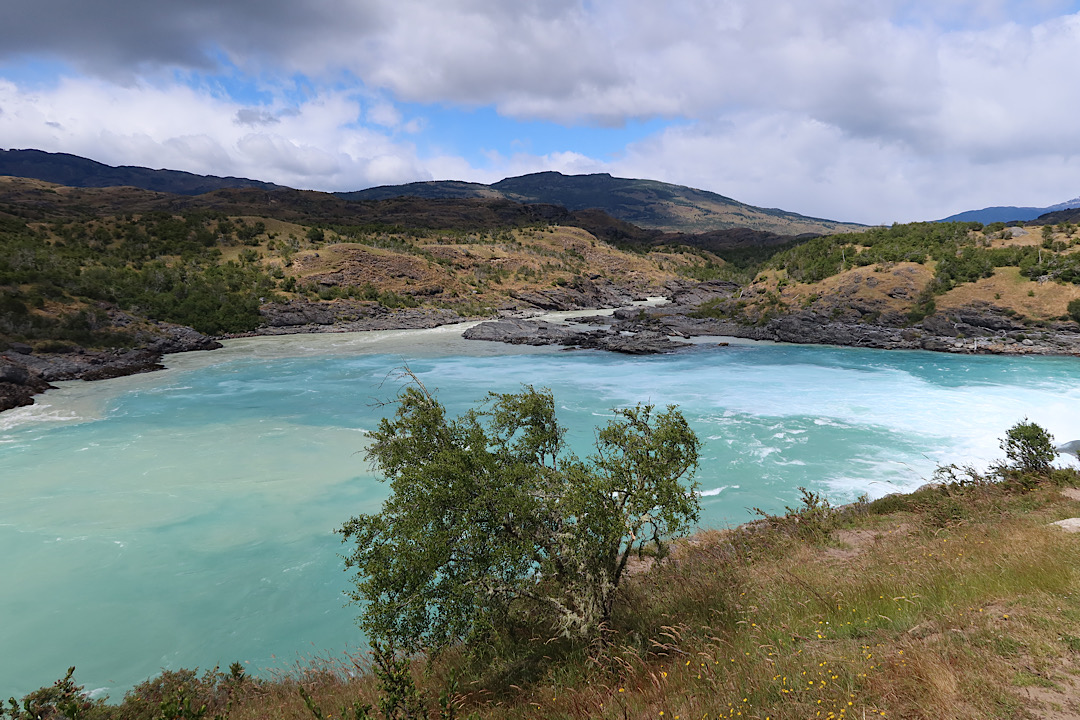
(185, 518)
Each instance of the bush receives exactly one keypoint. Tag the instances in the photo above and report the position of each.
(63, 700)
(492, 525)
(1028, 448)
(1073, 309)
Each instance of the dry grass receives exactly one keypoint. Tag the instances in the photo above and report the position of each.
(1008, 289)
(891, 609)
(483, 268)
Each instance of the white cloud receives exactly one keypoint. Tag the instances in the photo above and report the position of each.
(861, 109)
(316, 145)
(800, 164)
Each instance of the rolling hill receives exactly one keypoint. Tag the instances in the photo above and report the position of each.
(645, 203)
(75, 171)
(648, 204)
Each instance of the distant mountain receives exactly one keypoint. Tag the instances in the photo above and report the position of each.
(645, 203)
(1009, 213)
(75, 171)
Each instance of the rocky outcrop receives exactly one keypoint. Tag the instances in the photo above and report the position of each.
(584, 293)
(539, 332)
(18, 384)
(517, 331)
(974, 330)
(301, 316)
(940, 334)
(24, 373)
(294, 314)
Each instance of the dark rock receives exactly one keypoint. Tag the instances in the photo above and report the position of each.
(939, 325)
(539, 332)
(296, 313)
(18, 383)
(349, 316)
(526, 332)
(580, 294)
(13, 373)
(641, 343)
(989, 321)
(703, 292)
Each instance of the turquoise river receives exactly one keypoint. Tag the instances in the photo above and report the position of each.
(186, 518)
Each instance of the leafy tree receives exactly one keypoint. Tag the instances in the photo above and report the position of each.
(491, 520)
(1073, 309)
(1028, 447)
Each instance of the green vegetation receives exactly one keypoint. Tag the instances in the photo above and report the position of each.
(54, 277)
(1028, 448)
(960, 251)
(493, 526)
(943, 603)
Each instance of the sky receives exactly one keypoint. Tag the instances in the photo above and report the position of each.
(873, 111)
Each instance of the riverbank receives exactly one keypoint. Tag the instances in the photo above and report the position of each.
(979, 330)
(948, 602)
(628, 326)
(25, 373)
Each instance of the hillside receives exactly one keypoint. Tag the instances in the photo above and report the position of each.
(960, 280)
(234, 260)
(645, 203)
(76, 171)
(73, 258)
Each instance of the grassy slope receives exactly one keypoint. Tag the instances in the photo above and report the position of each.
(953, 602)
(884, 288)
(956, 604)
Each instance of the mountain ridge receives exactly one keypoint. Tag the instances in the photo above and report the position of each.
(646, 203)
(649, 204)
(1010, 213)
(76, 171)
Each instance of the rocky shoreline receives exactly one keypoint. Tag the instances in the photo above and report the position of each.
(24, 373)
(635, 330)
(645, 330)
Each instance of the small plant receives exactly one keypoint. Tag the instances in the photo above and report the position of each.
(399, 698)
(1028, 447)
(63, 700)
(814, 521)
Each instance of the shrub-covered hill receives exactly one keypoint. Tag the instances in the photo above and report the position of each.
(93, 266)
(922, 272)
(65, 169)
(646, 203)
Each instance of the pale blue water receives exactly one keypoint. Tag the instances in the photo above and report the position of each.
(186, 518)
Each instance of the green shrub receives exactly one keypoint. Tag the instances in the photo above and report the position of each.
(1073, 309)
(890, 504)
(1028, 447)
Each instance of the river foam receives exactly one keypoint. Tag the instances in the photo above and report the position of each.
(185, 518)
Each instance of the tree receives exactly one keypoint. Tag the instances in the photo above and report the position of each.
(491, 519)
(1028, 447)
(1073, 308)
